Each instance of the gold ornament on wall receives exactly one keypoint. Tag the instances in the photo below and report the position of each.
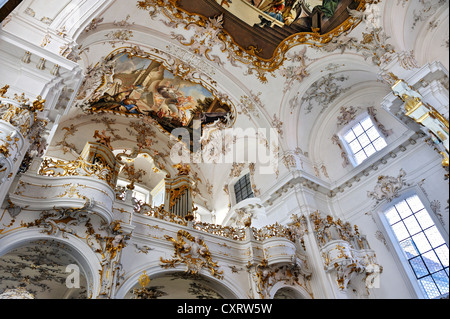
(210, 32)
(193, 252)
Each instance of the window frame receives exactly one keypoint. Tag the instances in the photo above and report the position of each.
(137, 189)
(393, 244)
(358, 119)
(235, 182)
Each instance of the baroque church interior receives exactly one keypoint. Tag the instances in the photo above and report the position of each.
(224, 149)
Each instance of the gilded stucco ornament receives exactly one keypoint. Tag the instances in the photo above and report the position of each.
(79, 167)
(160, 213)
(345, 253)
(144, 292)
(193, 252)
(105, 239)
(266, 276)
(210, 35)
(388, 187)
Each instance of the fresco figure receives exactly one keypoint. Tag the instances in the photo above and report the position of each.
(143, 87)
(328, 7)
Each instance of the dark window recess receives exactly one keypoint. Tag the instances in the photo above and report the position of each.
(243, 189)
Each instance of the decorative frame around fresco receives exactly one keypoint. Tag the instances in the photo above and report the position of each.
(173, 69)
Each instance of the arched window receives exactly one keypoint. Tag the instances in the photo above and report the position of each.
(423, 248)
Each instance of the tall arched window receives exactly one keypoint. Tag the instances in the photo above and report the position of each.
(424, 249)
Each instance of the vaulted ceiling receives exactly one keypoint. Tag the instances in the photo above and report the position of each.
(299, 91)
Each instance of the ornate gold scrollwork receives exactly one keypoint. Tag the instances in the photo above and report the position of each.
(160, 213)
(216, 34)
(59, 168)
(195, 254)
(275, 230)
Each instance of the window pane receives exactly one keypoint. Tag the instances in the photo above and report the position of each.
(355, 146)
(392, 216)
(441, 280)
(373, 133)
(379, 144)
(415, 203)
(358, 130)
(429, 287)
(350, 136)
(370, 150)
(360, 157)
(403, 209)
(442, 253)
(421, 242)
(364, 135)
(424, 219)
(243, 188)
(366, 123)
(419, 267)
(432, 262)
(409, 248)
(434, 236)
(400, 231)
(363, 140)
(426, 250)
(412, 225)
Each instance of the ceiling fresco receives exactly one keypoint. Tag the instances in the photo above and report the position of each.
(40, 269)
(177, 286)
(246, 36)
(145, 87)
(142, 87)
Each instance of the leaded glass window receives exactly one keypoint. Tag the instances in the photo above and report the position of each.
(243, 188)
(422, 244)
(364, 140)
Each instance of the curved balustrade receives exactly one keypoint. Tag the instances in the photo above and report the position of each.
(11, 146)
(279, 250)
(275, 230)
(224, 231)
(16, 124)
(45, 192)
(79, 167)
